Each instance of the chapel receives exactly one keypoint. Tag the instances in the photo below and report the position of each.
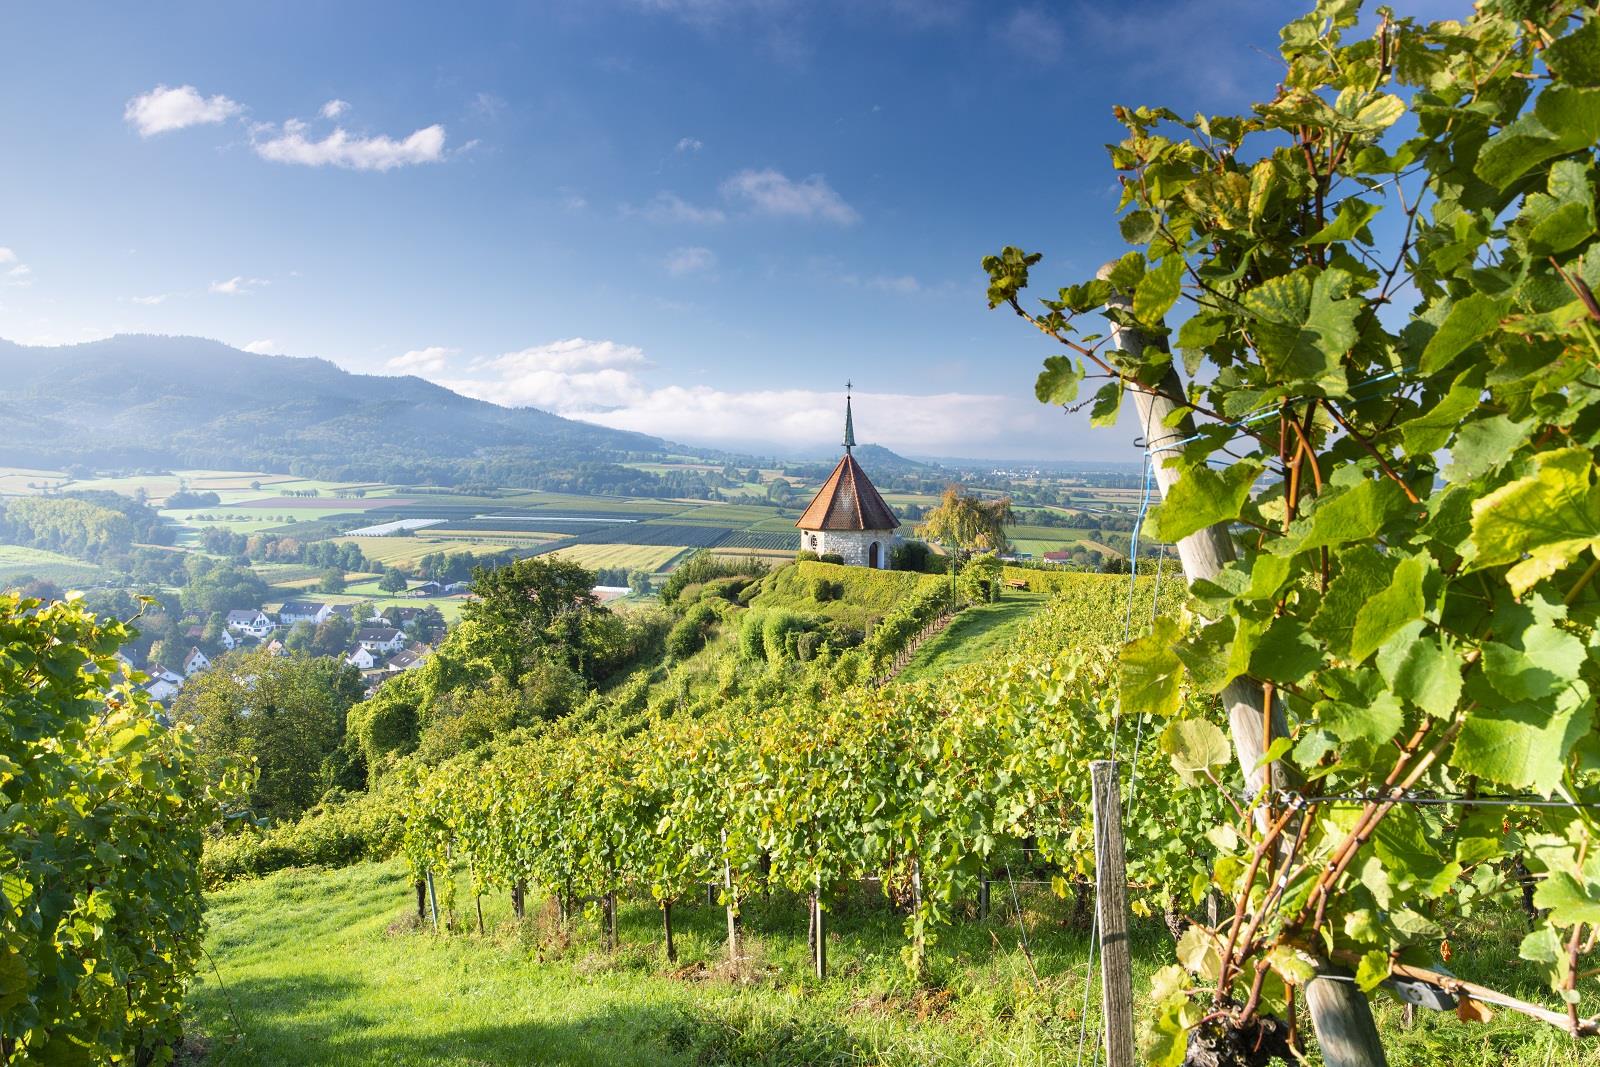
(847, 517)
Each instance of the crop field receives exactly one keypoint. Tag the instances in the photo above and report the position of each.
(774, 541)
(658, 534)
(525, 524)
(16, 561)
(404, 551)
(650, 558)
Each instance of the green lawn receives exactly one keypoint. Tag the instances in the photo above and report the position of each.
(978, 633)
(331, 968)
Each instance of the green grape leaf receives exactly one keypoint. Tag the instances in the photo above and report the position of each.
(1137, 226)
(1399, 603)
(1571, 899)
(1467, 320)
(1197, 952)
(1302, 331)
(1202, 497)
(1362, 574)
(1482, 445)
(1565, 119)
(1431, 430)
(1107, 402)
(1575, 58)
(1421, 671)
(1372, 970)
(1543, 947)
(1345, 515)
(1549, 659)
(1152, 673)
(1373, 722)
(1550, 517)
(1194, 747)
(1350, 221)
(1285, 653)
(1523, 745)
(1058, 382)
(1159, 290)
(1556, 221)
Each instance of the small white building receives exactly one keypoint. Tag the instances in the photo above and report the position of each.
(362, 658)
(312, 611)
(161, 690)
(195, 662)
(384, 639)
(251, 623)
(847, 517)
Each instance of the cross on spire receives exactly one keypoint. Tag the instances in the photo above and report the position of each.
(849, 422)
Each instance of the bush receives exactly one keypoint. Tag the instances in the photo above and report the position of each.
(752, 644)
(913, 556)
(805, 555)
(779, 631)
(826, 589)
(830, 557)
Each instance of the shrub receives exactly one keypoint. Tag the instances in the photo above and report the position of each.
(826, 589)
(779, 631)
(830, 557)
(912, 556)
(805, 555)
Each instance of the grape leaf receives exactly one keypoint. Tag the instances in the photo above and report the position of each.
(1351, 220)
(1575, 58)
(1194, 747)
(1202, 497)
(1571, 899)
(1421, 670)
(1399, 603)
(1549, 516)
(1429, 431)
(1468, 319)
(1522, 746)
(1344, 515)
(1158, 291)
(1541, 668)
(1302, 332)
(1565, 119)
(1152, 674)
(1058, 382)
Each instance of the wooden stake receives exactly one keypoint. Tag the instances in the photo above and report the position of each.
(611, 920)
(733, 904)
(433, 901)
(422, 900)
(819, 953)
(983, 896)
(666, 930)
(478, 902)
(1111, 902)
(1340, 1014)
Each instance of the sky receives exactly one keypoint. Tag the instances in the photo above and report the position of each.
(693, 218)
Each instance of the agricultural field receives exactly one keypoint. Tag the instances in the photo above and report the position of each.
(406, 551)
(649, 558)
(17, 561)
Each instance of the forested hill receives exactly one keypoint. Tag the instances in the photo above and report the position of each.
(140, 400)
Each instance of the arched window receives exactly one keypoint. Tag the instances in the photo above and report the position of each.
(813, 542)
(872, 555)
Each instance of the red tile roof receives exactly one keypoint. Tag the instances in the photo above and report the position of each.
(848, 501)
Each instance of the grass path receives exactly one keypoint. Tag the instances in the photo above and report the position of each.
(976, 634)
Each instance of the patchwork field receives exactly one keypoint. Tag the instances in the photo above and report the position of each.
(16, 561)
(651, 558)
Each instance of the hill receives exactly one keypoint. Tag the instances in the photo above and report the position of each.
(150, 401)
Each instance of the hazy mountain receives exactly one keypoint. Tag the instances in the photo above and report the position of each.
(183, 401)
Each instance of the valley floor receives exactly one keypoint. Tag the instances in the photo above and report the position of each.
(331, 967)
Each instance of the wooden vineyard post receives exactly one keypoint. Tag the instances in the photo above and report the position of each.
(519, 899)
(433, 901)
(918, 944)
(611, 920)
(983, 896)
(422, 900)
(564, 905)
(666, 931)
(1340, 1014)
(1111, 902)
(819, 950)
(733, 903)
(478, 903)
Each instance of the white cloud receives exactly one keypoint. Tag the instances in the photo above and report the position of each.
(341, 149)
(903, 284)
(603, 382)
(431, 360)
(1033, 34)
(264, 347)
(237, 286)
(21, 270)
(163, 109)
(6, 255)
(681, 261)
(334, 108)
(487, 106)
(770, 192)
(152, 300)
(670, 207)
(689, 144)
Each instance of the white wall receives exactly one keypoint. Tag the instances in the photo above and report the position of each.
(854, 546)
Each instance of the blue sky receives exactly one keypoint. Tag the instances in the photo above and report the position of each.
(695, 218)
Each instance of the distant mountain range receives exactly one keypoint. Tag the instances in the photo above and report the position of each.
(149, 401)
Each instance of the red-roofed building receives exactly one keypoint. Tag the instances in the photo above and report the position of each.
(847, 517)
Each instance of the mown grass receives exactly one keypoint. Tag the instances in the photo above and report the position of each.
(977, 634)
(333, 968)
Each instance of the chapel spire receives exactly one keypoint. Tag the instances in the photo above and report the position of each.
(849, 422)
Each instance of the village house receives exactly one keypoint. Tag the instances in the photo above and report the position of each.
(251, 623)
(404, 660)
(162, 689)
(348, 611)
(362, 658)
(847, 517)
(384, 639)
(312, 611)
(277, 648)
(195, 662)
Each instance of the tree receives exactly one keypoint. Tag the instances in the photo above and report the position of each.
(300, 636)
(1389, 625)
(287, 714)
(639, 583)
(333, 637)
(967, 522)
(392, 581)
(332, 581)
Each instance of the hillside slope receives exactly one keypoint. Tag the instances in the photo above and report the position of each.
(140, 400)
